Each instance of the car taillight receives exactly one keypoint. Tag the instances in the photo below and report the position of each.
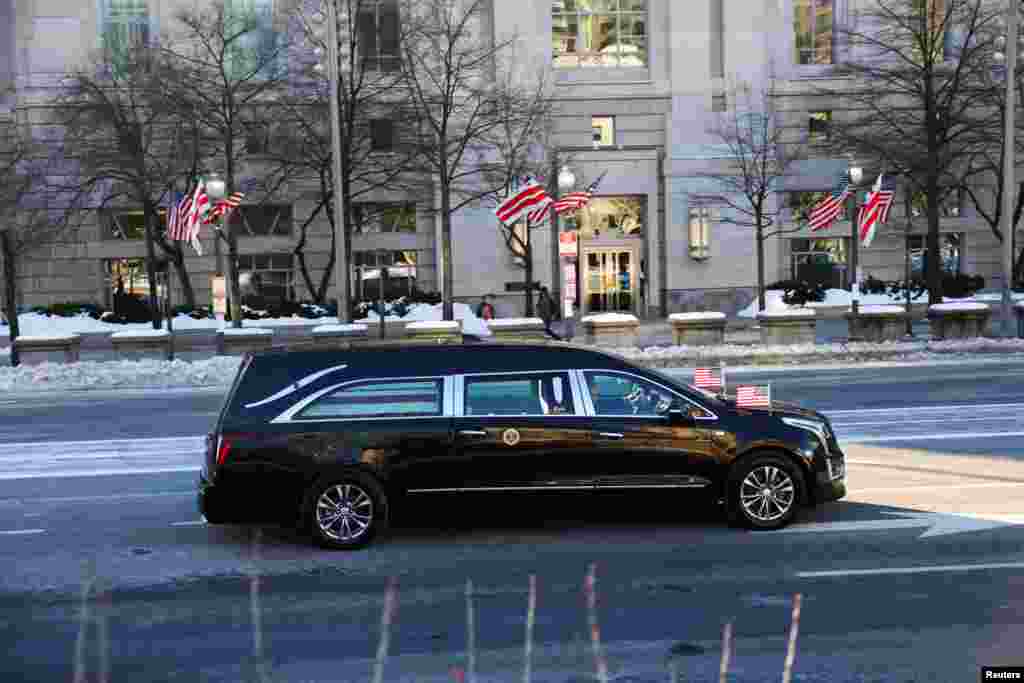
(223, 448)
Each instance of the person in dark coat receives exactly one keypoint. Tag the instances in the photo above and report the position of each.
(546, 310)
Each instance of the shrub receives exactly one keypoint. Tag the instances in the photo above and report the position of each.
(874, 286)
(70, 309)
(960, 286)
(799, 292)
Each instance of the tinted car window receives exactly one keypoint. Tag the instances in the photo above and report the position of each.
(539, 394)
(420, 398)
(614, 394)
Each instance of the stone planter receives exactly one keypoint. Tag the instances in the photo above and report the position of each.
(877, 323)
(958, 321)
(138, 344)
(338, 336)
(697, 329)
(35, 350)
(244, 340)
(610, 329)
(793, 326)
(393, 329)
(517, 329)
(439, 331)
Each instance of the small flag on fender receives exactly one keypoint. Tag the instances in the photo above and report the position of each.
(707, 378)
(754, 396)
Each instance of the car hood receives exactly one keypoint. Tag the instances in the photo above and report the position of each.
(784, 409)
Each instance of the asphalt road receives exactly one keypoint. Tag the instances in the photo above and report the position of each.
(923, 563)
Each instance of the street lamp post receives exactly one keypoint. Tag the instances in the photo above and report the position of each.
(566, 182)
(1009, 112)
(217, 189)
(856, 174)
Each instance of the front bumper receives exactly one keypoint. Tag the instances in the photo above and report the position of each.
(831, 480)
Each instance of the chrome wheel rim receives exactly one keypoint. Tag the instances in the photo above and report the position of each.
(344, 512)
(767, 493)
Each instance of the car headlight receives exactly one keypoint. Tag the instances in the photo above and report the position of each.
(813, 426)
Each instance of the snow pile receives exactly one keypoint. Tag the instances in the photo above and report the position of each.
(878, 309)
(335, 328)
(842, 298)
(959, 306)
(791, 312)
(245, 332)
(217, 371)
(610, 318)
(37, 324)
(702, 315)
(135, 334)
(433, 325)
(673, 356)
(426, 313)
(499, 323)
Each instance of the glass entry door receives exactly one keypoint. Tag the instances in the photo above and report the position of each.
(609, 281)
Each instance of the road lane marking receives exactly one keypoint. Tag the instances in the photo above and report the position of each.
(22, 532)
(936, 523)
(17, 502)
(43, 474)
(1010, 407)
(937, 487)
(952, 436)
(945, 419)
(911, 570)
(196, 522)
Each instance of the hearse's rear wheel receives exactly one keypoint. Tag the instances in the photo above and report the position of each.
(346, 511)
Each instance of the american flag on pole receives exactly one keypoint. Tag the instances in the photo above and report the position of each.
(198, 207)
(754, 396)
(542, 213)
(875, 209)
(575, 201)
(825, 212)
(707, 378)
(224, 207)
(524, 195)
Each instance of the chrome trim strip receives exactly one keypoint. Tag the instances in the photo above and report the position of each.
(588, 402)
(448, 398)
(579, 407)
(295, 386)
(459, 399)
(288, 415)
(589, 487)
(645, 379)
(690, 485)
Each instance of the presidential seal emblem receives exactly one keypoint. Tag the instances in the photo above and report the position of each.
(510, 437)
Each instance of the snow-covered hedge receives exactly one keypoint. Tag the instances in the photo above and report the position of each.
(216, 371)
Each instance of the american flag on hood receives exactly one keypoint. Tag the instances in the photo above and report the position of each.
(825, 212)
(708, 378)
(875, 209)
(754, 396)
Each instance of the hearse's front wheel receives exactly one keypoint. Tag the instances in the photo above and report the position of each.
(346, 511)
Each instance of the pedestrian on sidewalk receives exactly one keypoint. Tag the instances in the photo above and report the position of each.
(546, 311)
(485, 309)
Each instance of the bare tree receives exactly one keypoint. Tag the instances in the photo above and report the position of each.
(451, 67)
(375, 152)
(759, 153)
(224, 70)
(35, 206)
(124, 134)
(912, 80)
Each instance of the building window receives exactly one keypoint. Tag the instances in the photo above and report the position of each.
(398, 271)
(130, 272)
(819, 261)
(950, 247)
(609, 33)
(266, 279)
(376, 218)
(813, 31)
(120, 224)
(258, 53)
(377, 35)
(699, 235)
(603, 128)
(718, 103)
(124, 25)
(262, 220)
(615, 217)
(382, 135)
(420, 398)
(819, 125)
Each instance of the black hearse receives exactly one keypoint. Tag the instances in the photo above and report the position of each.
(332, 438)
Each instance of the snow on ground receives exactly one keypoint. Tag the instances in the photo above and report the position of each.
(960, 306)
(841, 298)
(216, 371)
(425, 312)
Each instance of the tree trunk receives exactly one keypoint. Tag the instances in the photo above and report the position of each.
(10, 293)
(933, 259)
(1018, 270)
(448, 307)
(325, 278)
(346, 226)
(188, 295)
(528, 270)
(234, 291)
(760, 265)
(154, 305)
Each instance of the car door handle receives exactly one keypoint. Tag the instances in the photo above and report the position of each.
(610, 435)
(472, 432)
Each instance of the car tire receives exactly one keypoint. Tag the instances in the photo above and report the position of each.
(764, 492)
(345, 511)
